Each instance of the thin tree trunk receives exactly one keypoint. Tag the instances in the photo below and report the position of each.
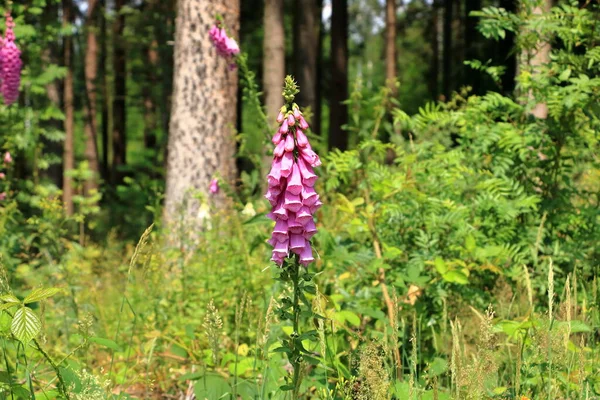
(51, 55)
(390, 45)
(105, 93)
(306, 46)
(507, 52)
(539, 58)
(150, 117)
(316, 123)
(434, 69)
(473, 78)
(201, 137)
(338, 114)
(447, 57)
(91, 74)
(68, 153)
(119, 139)
(273, 57)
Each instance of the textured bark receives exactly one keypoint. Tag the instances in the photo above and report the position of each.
(539, 57)
(119, 111)
(390, 45)
(201, 136)
(105, 93)
(91, 74)
(338, 114)
(316, 125)
(273, 57)
(306, 47)
(68, 152)
(447, 57)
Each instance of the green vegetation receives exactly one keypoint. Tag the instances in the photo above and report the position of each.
(458, 253)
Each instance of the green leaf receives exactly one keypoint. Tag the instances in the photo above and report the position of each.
(456, 277)
(9, 298)
(40, 294)
(111, 344)
(286, 388)
(440, 265)
(565, 74)
(351, 317)
(25, 325)
(212, 387)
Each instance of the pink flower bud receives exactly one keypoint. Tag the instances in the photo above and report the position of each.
(280, 149)
(308, 176)
(289, 143)
(301, 138)
(297, 113)
(276, 138)
(2, 176)
(280, 117)
(290, 120)
(275, 173)
(303, 123)
(7, 158)
(284, 127)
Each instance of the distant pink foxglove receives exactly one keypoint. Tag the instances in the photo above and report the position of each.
(10, 64)
(291, 188)
(226, 47)
(214, 186)
(7, 158)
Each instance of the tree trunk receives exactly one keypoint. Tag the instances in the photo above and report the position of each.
(507, 52)
(447, 61)
(390, 45)
(316, 123)
(69, 152)
(472, 78)
(150, 117)
(338, 114)
(119, 139)
(91, 74)
(540, 57)
(273, 57)
(51, 56)
(201, 136)
(105, 93)
(306, 46)
(434, 69)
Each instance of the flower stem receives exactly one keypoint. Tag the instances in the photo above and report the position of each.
(296, 357)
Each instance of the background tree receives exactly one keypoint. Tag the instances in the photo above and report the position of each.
(338, 114)
(201, 137)
(119, 104)
(306, 48)
(91, 75)
(273, 56)
(390, 45)
(69, 144)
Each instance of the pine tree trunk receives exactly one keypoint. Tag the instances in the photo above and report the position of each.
(273, 57)
(338, 112)
(433, 34)
(150, 117)
(316, 125)
(390, 45)
(105, 93)
(51, 56)
(539, 57)
(447, 51)
(69, 150)
(306, 46)
(119, 110)
(201, 136)
(91, 74)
